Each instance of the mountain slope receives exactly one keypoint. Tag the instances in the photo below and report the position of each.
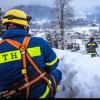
(38, 12)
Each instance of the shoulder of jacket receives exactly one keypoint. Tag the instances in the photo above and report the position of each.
(39, 40)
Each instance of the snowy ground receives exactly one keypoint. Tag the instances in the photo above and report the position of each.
(80, 75)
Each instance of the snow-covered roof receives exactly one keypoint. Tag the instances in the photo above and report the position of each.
(85, 29)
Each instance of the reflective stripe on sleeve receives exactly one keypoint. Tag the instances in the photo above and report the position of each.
(53, 62)
(46, 92)
(57, 88)
(91, 53)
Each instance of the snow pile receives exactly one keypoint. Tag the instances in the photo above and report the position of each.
(42, 35)
(81, 78)
(79, 41)
(98, 51)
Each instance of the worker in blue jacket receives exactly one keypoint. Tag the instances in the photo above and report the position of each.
(91, 47)
(17, 27)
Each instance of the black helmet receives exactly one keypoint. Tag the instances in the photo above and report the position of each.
(91, 38)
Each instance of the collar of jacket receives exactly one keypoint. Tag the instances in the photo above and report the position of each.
(11, 33)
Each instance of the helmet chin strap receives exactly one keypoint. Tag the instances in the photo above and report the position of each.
(13, 25)
(26, 29)
(7, 26)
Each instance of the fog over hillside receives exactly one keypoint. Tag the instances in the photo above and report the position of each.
(38, 12)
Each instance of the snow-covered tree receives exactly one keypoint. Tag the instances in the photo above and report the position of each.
(63, 18)
(2, 27)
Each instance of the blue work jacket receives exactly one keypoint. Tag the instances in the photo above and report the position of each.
(11, 63)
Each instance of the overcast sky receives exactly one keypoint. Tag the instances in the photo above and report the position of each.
(80, 6)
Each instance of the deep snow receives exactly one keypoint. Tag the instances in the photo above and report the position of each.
(80, 75)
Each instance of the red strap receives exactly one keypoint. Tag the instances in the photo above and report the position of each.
(18, 45)
(22, 47)
(25, 44)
